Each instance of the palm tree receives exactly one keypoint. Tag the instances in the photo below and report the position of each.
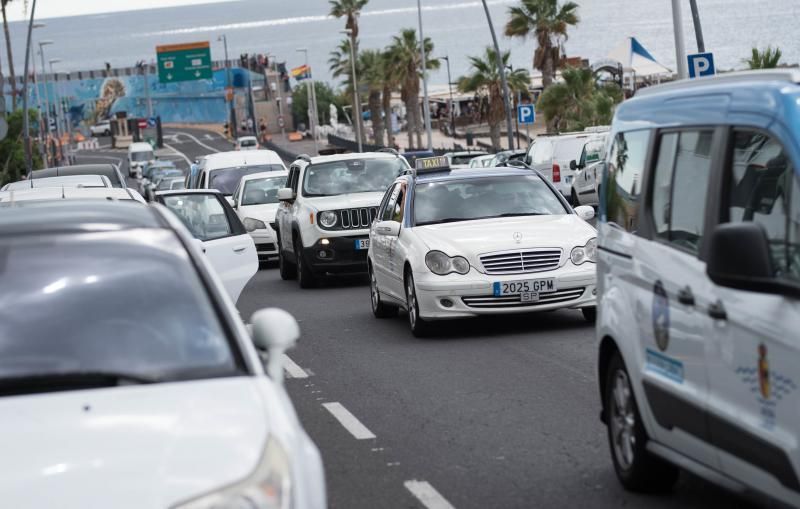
(578, 102)
(768, 58)
(548, 23)
(404, 51)
(351, 9)
(3, 4)
(484, 80)
(371, 70)
(391, 81)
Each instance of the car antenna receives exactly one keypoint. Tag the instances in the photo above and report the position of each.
(62, 193)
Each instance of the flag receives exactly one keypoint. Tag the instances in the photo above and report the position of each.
(301, 73)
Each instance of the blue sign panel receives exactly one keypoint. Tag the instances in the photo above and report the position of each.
(526, 113)
(701, 64)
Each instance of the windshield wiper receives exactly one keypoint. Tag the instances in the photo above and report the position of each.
(515, 214)
(446, 220)
(69, 381)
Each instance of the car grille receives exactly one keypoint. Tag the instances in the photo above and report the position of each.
(521, 261)
(351, 219)
(514, 301)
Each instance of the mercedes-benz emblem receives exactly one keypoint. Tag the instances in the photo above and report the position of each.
(518, 237)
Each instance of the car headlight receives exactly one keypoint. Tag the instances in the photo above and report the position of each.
(251, 224)
(327, 219)
(585, 253)
(441, 264)
(268, 487)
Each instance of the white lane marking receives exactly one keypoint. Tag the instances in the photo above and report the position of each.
(292, 369)
(349, 421)
(208, 137)
(198, 142)
(179, 153)
(427, 494)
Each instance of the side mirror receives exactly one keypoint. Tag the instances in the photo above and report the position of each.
(585, 212)
(390, 228)
(274, 331)
(285, 194)
(573, 165)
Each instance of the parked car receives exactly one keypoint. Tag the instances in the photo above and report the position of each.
(102, 128)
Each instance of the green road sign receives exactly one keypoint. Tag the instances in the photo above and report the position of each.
(184, 62)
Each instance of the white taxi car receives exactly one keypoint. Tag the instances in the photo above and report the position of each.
(478, 241)
(256, 202)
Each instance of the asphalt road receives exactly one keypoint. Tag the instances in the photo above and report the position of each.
(490, 413)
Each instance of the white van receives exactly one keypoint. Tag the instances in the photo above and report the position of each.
(139, 154)
(224, 170)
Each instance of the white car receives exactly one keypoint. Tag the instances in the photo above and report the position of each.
(102, 128)
(481, 161)
(588, 173)
(139, 155)
(71, 193)
(247, 143)
(224, 170)
(129, 379)
(84, 181)
(326, 211)
(256, 202)
(462, 159)
(211, 220)
(479, 241)
(552, 156)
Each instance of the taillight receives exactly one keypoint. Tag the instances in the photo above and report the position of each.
(556, 173)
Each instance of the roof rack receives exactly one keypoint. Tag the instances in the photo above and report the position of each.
(390, 150)
(304, 157)
(788, 75)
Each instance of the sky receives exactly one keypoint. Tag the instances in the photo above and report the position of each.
(57, 8)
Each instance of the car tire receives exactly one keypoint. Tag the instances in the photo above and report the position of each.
(574, 199)
(305, 277)
(285, 267)
(419, 327)
(590, 314)
(379, 308)
(636, 468)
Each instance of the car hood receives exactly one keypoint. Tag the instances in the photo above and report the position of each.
(143, 446)
(265, 212)
(474, 238)
(346, 201)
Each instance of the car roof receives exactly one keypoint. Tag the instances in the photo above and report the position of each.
(139, 146)
(188, 191)
(240, 158)
(265, 174)
(475, 153)
(64, 180)
(468, 173)
(248, 138)
(69, 193)
(107, 169)
(352, 156)
(75, 216)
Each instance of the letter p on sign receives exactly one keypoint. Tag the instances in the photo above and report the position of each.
(701, 64)
(526, 114)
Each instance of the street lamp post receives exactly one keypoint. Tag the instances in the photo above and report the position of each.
(279, 85)
(446, 58)
(42, 44)
(312, 100)
(426, 107)
(232, 113)
(145, 69)
(356, 114)
(680, 48)
(42, 129)
(56, 99)
(26, 134)
(504, 83)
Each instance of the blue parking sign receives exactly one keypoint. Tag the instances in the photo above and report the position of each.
(701, 64)
(526, 113)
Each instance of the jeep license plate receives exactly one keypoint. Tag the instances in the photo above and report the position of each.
(362, 244)
(525, 286)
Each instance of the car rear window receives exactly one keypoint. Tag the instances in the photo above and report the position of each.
(226, 179)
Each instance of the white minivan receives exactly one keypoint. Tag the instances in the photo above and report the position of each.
(139, 154)
(223, 170)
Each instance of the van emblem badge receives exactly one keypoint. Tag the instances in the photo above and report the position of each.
(517, 237)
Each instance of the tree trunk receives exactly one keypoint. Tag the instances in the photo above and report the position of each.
(375, 115)
(357, 97)
(494, 134)
(386, 97)
(10, 58)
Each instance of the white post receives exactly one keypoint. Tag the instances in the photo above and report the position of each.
(426, 107)
(680, 47)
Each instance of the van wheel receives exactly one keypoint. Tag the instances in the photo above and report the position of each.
(419, 327)
(636, 469)
(379, 308)
(590, 314)
(286, 269)
(304, 275)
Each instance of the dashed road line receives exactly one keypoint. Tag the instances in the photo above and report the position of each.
(198, 142)
(349, 421)
(179, 153)
(427, 494)
(292, 369)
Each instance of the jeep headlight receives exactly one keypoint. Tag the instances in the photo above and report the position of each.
(268, 487)
(251, 224)
(585, 253)
(441, 264)
(327, 219)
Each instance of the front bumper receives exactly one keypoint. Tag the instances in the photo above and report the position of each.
(266, 247)
(472, 294)
(336, 255)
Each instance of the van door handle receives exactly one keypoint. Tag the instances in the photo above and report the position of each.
(239, 249)
(685, 296)
(717, 311)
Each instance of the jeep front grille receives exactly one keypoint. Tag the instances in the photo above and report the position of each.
(352, 219)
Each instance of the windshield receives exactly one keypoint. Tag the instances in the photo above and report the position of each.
(351, 176)
(146, 155)
(248, 142)
(261, 191)
(114, 303)
(568, 149)
(482, 198)
(226, 179)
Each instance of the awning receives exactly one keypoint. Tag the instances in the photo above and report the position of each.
(634, 57)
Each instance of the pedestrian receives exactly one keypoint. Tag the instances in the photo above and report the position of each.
(250, 125)
(244, 125)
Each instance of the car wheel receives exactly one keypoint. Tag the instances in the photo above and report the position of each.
(419, 327)
(590, 314)
(304, 275)
(574, 199)
(379, 308)
(636, 469)
(286, 269)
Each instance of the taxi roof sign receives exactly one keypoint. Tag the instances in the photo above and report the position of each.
(426, 164)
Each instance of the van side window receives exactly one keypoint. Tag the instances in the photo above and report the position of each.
(293, 178)
(680, 186)
(762, 187)
(625, 164)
